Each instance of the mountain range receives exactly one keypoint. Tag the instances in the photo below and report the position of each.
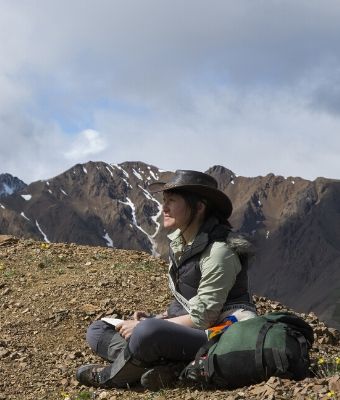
(294, 223)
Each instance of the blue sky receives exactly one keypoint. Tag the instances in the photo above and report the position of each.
(251, 85)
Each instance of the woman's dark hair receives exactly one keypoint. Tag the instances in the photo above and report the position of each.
(192, 200)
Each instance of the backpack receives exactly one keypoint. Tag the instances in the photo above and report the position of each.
(251, 351)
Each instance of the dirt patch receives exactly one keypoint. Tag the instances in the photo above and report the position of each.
(51, 292)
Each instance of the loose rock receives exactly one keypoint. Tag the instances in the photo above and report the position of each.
(45, 315)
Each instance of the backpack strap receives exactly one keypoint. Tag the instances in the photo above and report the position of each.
(208, 362)
(303, 344)
(178, 296)
(260, 369)
(280, 357)
(203, 350)
(280, 360)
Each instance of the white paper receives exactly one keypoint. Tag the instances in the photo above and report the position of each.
(112, 321)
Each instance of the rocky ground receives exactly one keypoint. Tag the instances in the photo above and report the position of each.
(51, 292)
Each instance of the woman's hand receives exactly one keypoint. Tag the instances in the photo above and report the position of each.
(163, 315)
(138, 315)
(126, 328)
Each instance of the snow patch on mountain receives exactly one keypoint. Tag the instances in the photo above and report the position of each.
(127, 183)
(156, 217)
(7, 190)
(41, 231)
(2, 206)
(108, 240)
(139, 176)
(122, 169)
(154, 176)
(23, 215)
(129, 203)
(146, 193)
(109, 170)
(159, 212)
(27, 197)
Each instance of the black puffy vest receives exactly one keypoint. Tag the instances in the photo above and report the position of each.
(186, 273)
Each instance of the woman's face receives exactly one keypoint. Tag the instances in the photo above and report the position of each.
(176, 212)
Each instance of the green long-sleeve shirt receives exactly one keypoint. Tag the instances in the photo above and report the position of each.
(219, 267)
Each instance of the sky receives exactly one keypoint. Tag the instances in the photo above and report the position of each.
(253, 85)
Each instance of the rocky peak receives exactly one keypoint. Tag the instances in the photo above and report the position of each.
(10, 184)
(221, 173)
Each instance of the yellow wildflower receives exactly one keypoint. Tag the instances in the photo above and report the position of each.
(337, 361)
(331, 393)
(321, 361)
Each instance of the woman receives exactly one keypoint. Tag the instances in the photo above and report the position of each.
(206, 277)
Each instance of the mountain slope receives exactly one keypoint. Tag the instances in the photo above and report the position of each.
(94, 203)
(294, 223)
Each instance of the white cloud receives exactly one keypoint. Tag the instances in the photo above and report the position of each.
(252, 135)
(88, 143)
(250, 85)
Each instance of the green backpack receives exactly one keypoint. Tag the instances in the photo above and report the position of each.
(250, 351)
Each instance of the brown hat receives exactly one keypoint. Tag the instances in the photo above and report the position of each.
(198, 183)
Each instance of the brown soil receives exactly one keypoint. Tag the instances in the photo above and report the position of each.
(50, 294)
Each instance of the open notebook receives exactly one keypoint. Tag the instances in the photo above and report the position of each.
(112, 321)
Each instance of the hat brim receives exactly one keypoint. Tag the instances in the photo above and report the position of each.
(215, 197)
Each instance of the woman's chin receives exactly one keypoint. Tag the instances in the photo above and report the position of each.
(169, 225)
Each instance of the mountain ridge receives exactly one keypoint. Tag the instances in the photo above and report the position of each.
(293, 222)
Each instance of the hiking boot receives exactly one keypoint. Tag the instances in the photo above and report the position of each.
(194, 372)
(161, 376)
(120, 374)
(91, 375)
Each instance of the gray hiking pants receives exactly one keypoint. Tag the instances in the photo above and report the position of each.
(152, 341)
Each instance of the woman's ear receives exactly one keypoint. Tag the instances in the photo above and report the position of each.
(201, 207)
